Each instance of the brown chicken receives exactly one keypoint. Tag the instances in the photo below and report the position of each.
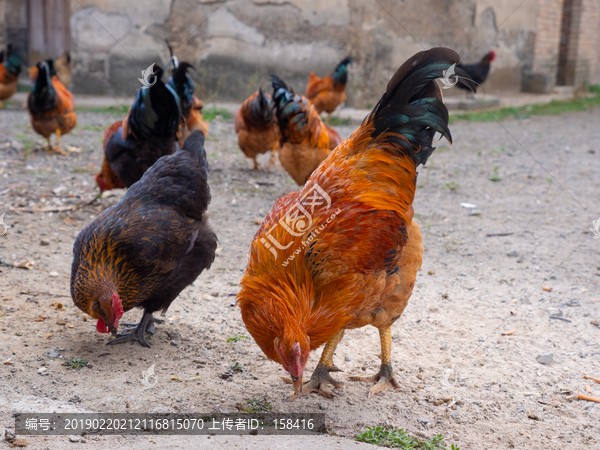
(145, 250)
(329, 92)
(132, 145)
(9, 74)
(51, 106)
(344, 251)
(305, 140)
(63, 68)
(257, 129)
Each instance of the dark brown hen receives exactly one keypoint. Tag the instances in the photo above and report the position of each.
(145, 250)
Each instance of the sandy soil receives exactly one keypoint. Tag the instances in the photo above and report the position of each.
(448, 344)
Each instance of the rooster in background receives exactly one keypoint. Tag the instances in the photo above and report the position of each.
(51, 106)
(329, 92)
(63, 68)
(477, 72)
(257, 129)
(143, 251)
(305, 140)
(148, 132)
(9, 73)
(191, 106)
(353, 252)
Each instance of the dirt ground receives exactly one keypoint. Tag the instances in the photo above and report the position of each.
(532, 179)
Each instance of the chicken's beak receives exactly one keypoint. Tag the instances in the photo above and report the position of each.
(297, 382)
(113, 330)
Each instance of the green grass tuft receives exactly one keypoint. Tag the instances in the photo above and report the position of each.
(237, 338)
(399, 438)
(215, 113)
(75, 363)
(118, 110)
(494, 176)
(336, 121)
(554, 107)
(257, 405)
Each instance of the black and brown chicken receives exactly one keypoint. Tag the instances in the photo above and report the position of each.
(143, 251)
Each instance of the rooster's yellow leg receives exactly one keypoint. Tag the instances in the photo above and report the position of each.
(57, 148)
(384, 379)
(320, 378)
(272, 161)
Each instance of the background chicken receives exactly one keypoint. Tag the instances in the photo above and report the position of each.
(63, 68)
(51, 106)
(329, 92)
(146, 249)
(305, 140)
(10, 68)
(257, 129)
(344, 251)
(148, 132)
(477, 72)
(191, 106)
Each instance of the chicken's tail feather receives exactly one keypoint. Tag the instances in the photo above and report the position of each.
(340, 74)
(413, 103)
(261, 109)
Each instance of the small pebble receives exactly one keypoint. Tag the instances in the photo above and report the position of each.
(323, 405)
(45, 242)
(545, 358)
(512, 254)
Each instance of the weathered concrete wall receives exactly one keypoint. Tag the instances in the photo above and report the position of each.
(237, 44)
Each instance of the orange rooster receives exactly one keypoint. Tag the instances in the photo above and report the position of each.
(344, 251)
(51, 106)
(9, 74)
(329, 92)
(257, 129)
(305, 140)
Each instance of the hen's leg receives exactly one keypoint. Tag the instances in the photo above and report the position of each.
(255, 167)
(57, 147)
(272, 161)
(137, 333)
(385, 378)
(320, 378)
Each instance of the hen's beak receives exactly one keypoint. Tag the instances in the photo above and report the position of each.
(113, 330)
(297, 382)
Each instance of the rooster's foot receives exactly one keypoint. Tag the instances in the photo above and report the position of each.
(57, 149)
(320, 382)
(383, 380)
(137, 333)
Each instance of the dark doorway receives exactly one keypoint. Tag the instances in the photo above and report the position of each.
(569, 33)
(49, 31)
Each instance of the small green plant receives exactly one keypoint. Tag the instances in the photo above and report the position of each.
(75, 363)
(399, 438)
(494, 176)
(118, 110)
(81, 170)
(337, 121)
(452, 186)
(257, 405)
(92, 128)
(554, 107)
(237, 338)
(549, 180)
(237, 368)
(216, 113)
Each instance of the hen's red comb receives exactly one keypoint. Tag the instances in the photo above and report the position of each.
(116, 309)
